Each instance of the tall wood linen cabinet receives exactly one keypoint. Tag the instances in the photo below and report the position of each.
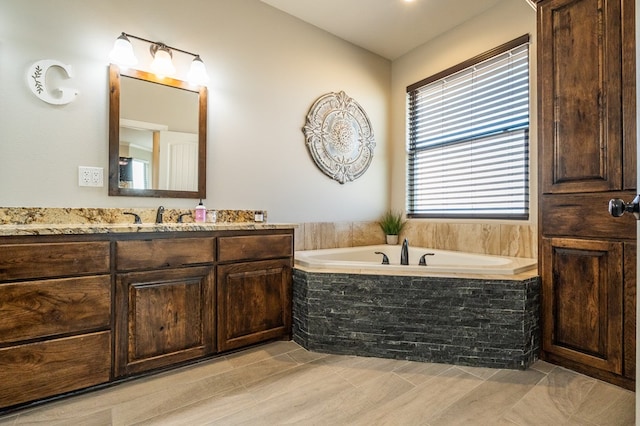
(587, 155)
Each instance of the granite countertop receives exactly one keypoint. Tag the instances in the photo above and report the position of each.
(110, 228)
(74, 221)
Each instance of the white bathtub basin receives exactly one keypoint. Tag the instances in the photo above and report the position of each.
(365, 260)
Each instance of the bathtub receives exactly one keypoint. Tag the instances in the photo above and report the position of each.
(364, 259)
(463, 309)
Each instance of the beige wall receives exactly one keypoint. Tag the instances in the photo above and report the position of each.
(266, 67)
(506, 21)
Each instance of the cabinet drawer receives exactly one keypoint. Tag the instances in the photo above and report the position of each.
(44, 308)
(254, 247)
(163, 253)
(38, 370)
(24, 261)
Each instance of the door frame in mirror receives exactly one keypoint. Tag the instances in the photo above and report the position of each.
(115, 74)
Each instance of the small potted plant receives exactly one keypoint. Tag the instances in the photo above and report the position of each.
(391, 223)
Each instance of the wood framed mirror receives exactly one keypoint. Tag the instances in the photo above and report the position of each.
(157, 136)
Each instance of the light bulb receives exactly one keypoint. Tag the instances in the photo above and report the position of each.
(197, 73)
(122, 52)
(162, 65)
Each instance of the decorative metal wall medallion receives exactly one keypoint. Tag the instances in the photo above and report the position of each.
(339, 137)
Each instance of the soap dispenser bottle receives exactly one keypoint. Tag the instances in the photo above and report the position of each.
(201, 213)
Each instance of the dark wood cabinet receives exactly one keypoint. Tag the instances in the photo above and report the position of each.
(78, 311)
(254, 302)
(587, 150)
(580, 80)
(53, 259)
(165, 309)
(160, 253)
(254, 289)
(55, 319)
(53, 307)
(163, 318)
(583, 309)
(31, 371)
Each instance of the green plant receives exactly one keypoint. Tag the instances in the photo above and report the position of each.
(391, 222)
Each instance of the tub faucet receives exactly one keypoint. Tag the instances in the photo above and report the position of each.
(385, 258)
(159, 214)
(423, 259)
(404, 254)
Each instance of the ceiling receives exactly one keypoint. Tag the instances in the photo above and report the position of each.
(389, 28)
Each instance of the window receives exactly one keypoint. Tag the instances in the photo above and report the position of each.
(469, 138)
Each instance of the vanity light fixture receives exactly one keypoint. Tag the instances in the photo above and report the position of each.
(122, 52)
(162, 64)
(198, 72)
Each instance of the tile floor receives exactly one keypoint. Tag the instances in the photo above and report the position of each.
(282, 383)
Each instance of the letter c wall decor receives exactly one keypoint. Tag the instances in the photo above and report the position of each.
(37, 82)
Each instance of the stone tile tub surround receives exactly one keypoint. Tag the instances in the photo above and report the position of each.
(81, 216)
(501, 239)
(463, 321)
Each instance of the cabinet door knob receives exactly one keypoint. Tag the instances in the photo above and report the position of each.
(618, 207)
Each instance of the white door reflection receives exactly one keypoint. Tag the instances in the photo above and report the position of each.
(153, 157)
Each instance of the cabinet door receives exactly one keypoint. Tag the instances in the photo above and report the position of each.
(580, 69)
(254, 302)
(582, 285)
(587, 155)
(163, 317)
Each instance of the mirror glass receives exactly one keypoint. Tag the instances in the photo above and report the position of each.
(157, 136)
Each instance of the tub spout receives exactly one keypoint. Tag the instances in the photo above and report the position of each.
(404, 254)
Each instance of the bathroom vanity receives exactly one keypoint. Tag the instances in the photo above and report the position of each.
(92, 307)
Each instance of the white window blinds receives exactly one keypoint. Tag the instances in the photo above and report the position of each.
(468, 138)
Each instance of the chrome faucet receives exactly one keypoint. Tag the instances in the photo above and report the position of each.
(136, 218)
(385, 258)
(159, 214)
(404, 254)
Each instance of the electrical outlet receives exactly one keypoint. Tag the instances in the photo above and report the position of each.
(90, 176)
